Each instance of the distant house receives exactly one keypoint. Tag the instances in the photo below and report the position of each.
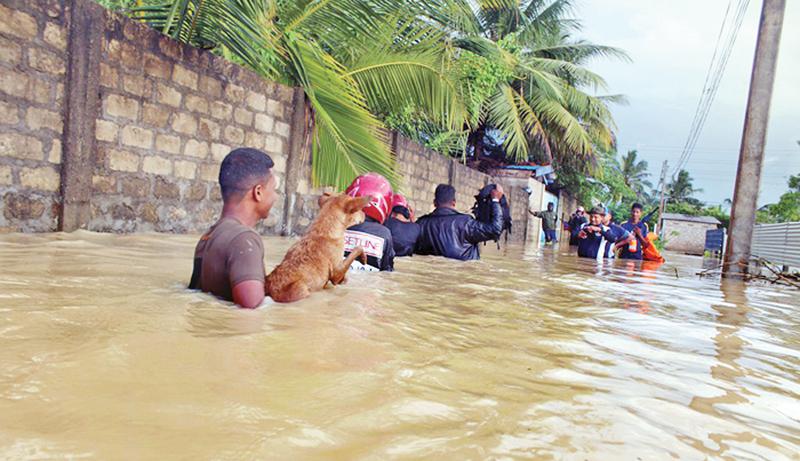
(686, 234)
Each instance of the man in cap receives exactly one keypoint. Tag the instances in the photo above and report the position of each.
(596, 239)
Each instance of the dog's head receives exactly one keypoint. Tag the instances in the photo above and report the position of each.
(347, 210)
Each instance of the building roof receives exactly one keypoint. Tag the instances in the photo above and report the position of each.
(693, 219)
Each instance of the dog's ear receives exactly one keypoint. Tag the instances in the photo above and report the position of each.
(324, 198)
(357, 204)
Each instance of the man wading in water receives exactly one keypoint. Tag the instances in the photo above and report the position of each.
(549, 220)
(451, 234)
(229, 259)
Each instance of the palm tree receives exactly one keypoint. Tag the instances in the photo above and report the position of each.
(524, 77)
(682, 190)
(634, 173)
(349, 56)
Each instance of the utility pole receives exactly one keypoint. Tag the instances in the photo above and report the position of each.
(751, 154)
(662, 203)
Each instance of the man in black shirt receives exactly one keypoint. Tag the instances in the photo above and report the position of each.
(451, 234)
(404, 231)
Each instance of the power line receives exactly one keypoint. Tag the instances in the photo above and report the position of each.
(716, 70)
(705, 149)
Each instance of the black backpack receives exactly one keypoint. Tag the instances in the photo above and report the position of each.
(482, 209)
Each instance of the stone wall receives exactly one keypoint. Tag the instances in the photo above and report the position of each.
(33, 40)
(422, 170)
(107, 125)
(168, 115)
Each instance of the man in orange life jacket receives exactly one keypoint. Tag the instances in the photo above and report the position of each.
(372, 235)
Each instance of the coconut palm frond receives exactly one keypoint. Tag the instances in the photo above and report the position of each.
(348, 139)
(576, 75)
(508, 111)
(579, 52)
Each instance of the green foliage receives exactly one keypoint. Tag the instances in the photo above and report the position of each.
(480, 77)
(604, 184)
(523, 75)
(634, 173)
(682, 190)
(415, 126)
(118, 5)
(788, 207)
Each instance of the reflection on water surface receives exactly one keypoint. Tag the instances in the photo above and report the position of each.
(525, 354)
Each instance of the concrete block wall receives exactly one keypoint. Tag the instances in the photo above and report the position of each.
(167, 116)
(33, 40)
(422, 170)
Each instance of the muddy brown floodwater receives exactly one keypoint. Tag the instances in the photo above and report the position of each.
(526, 354)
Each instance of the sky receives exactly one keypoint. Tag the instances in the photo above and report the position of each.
(671, 45)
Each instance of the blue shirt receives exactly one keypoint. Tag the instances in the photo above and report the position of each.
(626, 253)
(596, 242)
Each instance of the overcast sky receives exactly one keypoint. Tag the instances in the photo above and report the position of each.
(671, 45)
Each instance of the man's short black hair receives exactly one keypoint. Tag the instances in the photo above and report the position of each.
(551, 204)
(401, 210)
(445, 193)
(242, 169)
(637, 206)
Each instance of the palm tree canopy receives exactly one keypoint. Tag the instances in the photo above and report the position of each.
(634, 173)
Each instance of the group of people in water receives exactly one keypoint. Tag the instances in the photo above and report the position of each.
(599, 236)
(229, 258)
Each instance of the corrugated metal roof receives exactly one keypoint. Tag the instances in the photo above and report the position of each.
(688, 218)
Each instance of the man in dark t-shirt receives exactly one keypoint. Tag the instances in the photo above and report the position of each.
(639, 230)
(404, 232)
(229, 258)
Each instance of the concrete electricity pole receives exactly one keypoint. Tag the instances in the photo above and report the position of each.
(751, 154)
(662, 203)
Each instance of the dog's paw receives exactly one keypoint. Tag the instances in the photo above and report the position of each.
(362, 257)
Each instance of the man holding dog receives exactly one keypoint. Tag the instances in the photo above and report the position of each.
(446, 232)
(229, 259)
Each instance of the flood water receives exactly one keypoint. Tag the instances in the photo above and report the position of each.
(526, 354)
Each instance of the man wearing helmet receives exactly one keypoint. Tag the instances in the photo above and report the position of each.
(451, 234)
(372, 235)
(405, 231)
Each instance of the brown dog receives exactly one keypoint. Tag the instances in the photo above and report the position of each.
(317, 258)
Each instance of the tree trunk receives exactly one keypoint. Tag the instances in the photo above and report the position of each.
(476, 140)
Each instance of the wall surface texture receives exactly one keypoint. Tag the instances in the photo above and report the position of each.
(109, 126)
(33, 43)
(685, 237)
